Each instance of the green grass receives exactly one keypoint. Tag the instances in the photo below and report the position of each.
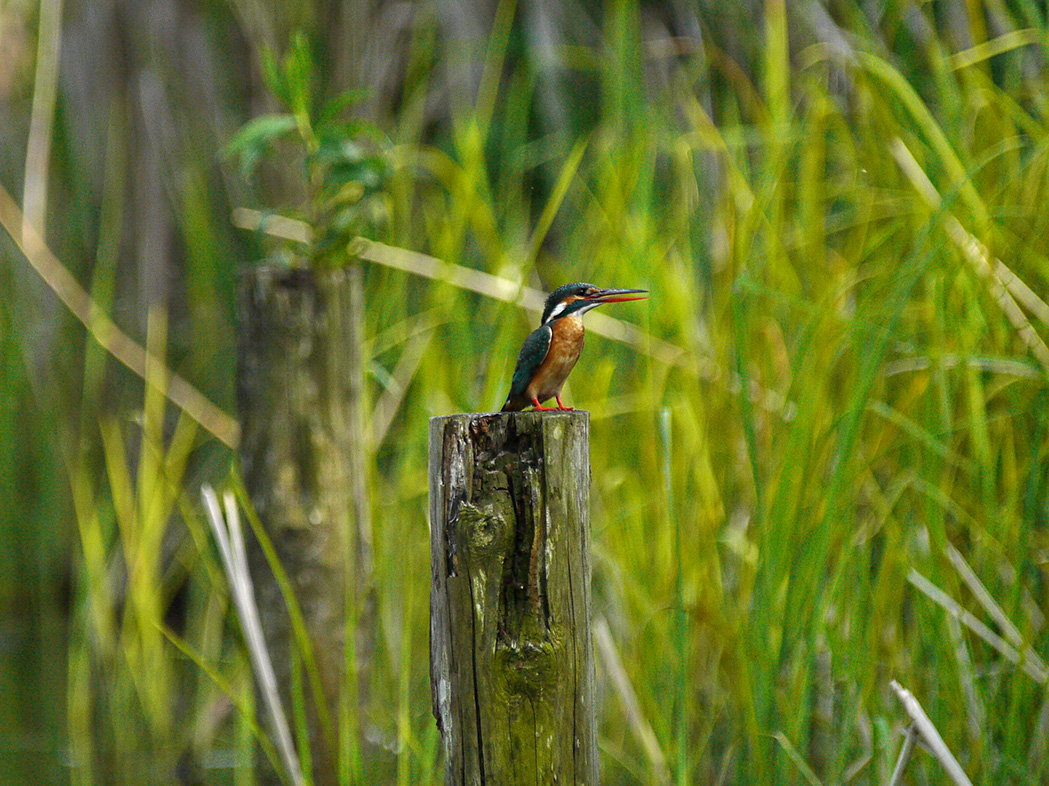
(851, 401)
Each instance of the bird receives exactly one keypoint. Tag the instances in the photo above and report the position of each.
(551, 350)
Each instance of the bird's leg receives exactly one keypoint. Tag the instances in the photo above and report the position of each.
(561, 406)
(540, 407)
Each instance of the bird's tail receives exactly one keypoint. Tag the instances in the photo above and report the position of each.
(513, 406)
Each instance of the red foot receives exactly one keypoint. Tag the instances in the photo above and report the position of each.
(559, 408)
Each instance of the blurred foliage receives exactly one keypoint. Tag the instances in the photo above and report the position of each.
(838, 209)
(346, 168)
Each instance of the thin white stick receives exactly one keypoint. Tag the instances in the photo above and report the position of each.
(980, 592)
(1028, 660)
(930, 735)
(104, 330)
(478, 281)
(230, 539)
(42, 116)
(628, 698)
(987, 268)
(905, 754)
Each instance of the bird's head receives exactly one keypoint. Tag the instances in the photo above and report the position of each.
(579, 298)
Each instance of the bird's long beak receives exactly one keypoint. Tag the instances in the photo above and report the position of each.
(617, 295)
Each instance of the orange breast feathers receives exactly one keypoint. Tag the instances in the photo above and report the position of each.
(565, 345)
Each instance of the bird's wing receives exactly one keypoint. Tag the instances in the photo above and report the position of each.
(533, 353)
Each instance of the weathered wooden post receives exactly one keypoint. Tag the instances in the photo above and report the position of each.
(511, 668)
(299, 394)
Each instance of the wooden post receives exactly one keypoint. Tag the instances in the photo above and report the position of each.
(511, 668)
(302, 458)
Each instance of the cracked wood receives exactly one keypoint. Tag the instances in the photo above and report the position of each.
(510, 654)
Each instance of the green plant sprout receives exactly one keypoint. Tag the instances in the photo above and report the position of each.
(347, 164)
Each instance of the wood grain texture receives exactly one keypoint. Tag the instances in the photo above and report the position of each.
(511, 665)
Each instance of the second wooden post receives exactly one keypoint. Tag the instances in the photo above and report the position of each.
(511, 666)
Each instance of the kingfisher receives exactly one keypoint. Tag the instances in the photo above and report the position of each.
(551, 351)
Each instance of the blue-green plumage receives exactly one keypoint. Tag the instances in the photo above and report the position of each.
(532, 354)
(551, 351)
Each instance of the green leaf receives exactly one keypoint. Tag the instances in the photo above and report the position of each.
(274, 77)
(299, 72)
(256, 137)
(332, 109)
